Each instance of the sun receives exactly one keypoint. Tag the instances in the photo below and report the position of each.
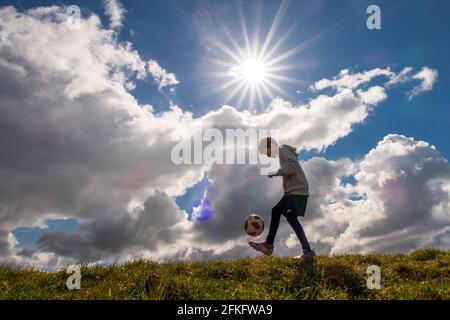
(253, 74)
(252, 71)
(249, 69)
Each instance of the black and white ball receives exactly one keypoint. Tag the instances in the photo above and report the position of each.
(254, 225)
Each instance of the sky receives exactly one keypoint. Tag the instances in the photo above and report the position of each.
(89, 117)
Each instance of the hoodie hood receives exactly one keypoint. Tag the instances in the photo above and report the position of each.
(291, 152)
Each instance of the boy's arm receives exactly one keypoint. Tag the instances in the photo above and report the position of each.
(287, 166)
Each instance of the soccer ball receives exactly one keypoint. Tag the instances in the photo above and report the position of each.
(254, 225)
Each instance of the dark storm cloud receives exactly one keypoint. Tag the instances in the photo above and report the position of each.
(238, 190)
(5, 243)
(116, 234)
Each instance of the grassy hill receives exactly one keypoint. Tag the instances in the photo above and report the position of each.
(423, 274)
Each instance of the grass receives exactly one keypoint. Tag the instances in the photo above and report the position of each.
(422, 274)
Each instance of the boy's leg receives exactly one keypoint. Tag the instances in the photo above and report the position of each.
(266, 247)
(297, 207)
(277, 211)
(295, 224)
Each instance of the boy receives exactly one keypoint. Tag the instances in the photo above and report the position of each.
(293, 203)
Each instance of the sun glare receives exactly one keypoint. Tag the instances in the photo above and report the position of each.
(251, 68)
(252, 71)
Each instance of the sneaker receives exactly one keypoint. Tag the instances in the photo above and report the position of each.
(308, 255)
(262, 247)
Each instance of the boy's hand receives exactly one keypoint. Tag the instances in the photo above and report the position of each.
(270, 175)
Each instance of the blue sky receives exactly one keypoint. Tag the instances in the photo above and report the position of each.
(175, 33)
(412, 34)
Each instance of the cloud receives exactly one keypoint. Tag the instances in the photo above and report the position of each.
(115, 233)
(403, 185)
(7, 243)
(161, 77)
(116, 13)
(76, 143)
(349, 80)
(428, 77)
(239, 190)
(235, 192)
(402, 77)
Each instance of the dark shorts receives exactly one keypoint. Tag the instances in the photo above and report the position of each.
(294, 205)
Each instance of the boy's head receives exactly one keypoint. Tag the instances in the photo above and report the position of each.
(269, 147)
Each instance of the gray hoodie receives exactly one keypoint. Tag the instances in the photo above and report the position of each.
(294, 179)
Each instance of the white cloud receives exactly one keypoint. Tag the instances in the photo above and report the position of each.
(401, 77)
(428, 77)
(65, 101)
(115, 11)
(292, 241)
(161, 76)
(400, 179)
(348, 80)
(401, 204)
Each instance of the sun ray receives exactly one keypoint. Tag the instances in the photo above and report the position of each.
(283, 67)
(230, 84)
(260, 96)
(244, 93)
(244, 31)
(277, 88)
(283, 78)
(235, 92)
(273, 28)
(227, 51)
(303, 45)
(281, 40)
(236, 46)
(255, 66)
(267, 91)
